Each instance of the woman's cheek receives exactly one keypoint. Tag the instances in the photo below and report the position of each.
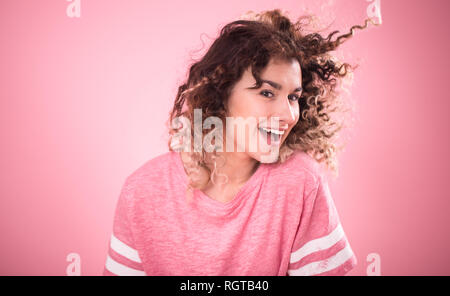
(296, 114)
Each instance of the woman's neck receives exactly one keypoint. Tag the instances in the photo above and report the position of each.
(237, 166)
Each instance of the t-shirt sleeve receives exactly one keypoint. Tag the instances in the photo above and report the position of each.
(123, 258)
(320, 246)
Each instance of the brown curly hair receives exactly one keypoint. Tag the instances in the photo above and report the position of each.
(252, 43)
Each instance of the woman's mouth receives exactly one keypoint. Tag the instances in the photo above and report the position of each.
(272, 136)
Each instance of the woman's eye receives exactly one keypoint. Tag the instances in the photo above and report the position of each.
(294, 97)
(267, 93)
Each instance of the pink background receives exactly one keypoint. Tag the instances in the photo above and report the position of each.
(84, 102)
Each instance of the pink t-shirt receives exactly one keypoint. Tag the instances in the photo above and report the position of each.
(282, 222)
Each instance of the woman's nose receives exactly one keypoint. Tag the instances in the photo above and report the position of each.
(285, 111)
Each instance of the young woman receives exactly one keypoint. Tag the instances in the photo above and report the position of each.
(216, 203)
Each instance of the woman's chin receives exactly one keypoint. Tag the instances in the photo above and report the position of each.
(268, 157)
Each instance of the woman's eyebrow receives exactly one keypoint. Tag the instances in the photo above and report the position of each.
(278, 86)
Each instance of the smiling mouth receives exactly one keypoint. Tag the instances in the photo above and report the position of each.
(272, 136)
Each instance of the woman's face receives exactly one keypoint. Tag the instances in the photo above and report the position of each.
(273, 108)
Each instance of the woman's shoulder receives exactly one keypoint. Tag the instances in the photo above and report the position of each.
(149, 182)
(300, 163)
(152, 169)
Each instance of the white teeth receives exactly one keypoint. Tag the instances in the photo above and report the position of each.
(272, 131)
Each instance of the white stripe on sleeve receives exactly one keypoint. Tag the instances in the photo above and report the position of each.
(123, 249)
(324, 265)
(318, 244)
(120, 269)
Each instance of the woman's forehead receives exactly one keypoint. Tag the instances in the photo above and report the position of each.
(282, 72)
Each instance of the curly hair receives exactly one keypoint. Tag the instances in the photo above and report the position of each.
(252, 43)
